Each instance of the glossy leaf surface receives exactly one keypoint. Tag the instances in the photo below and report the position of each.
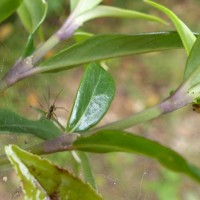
(32, 14)
(43, 180)
(121, 141)
(111, 46)
(10, 122)
(7, 7)
(93, 99)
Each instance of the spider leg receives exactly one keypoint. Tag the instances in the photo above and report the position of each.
(47, 102)
(62, 108)
(55, 118)
(48, 95)
(39, 110)
(41, 105)
(57, 96)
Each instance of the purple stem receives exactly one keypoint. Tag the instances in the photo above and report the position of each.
(24, 68)
(66, 32)
(178, 100)
(20, 70)
(58, 144)
(61, 143)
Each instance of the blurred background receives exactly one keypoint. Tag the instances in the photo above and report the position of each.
(141, 81)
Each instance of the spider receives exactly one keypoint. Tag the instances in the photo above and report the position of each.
(50, 113)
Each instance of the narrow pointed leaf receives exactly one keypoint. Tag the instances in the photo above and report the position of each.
(111, 46)
(109, 11)
(193, 61)
(93, 99)
(43, 180)
(32, 14)
(87, 169)
(192, 72)
(185, 33)
(10, 122)
(7, 7)
(121, 141)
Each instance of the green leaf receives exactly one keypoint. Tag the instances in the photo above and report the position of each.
(73, 4)
(192, 72)
(185, 33)
(10, 122)
(43, 180)
(193, 61)
(111, 46)
(87, 170)
(82, 6)
(7, 7)
(32, 15)
(109, 11)
(121, 141)
(93, 99)
(80, 36)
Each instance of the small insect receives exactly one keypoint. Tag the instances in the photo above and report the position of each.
(50, 113)
(196, 107)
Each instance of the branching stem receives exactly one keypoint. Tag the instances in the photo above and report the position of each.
(178, 100)
(61, 143)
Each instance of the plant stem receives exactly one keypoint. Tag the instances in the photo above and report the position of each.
(47, 46)
(10, 78)
(61, 143)
(179, 99)
(128, 122)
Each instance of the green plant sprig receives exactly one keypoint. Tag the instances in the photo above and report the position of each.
(26, 66)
